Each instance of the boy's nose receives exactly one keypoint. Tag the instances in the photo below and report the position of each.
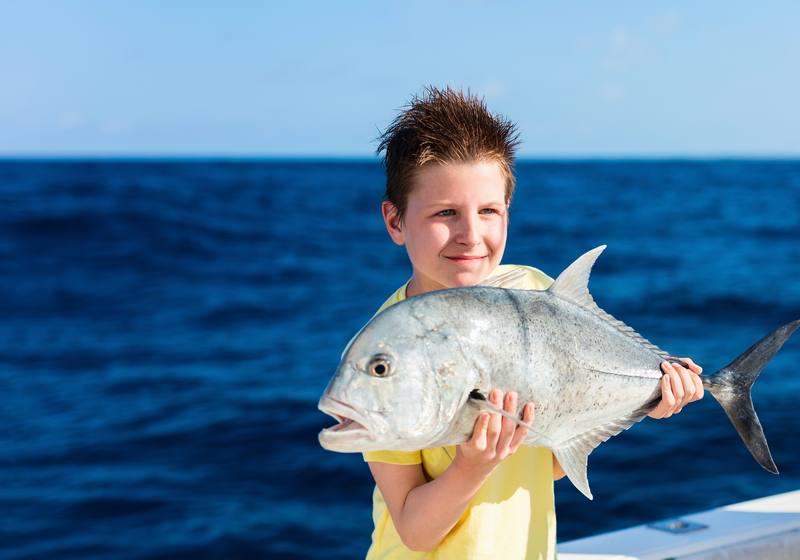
(469, 231)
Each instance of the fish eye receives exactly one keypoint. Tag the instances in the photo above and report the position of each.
(379, 366)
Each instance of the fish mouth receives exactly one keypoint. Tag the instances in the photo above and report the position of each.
(351, 425)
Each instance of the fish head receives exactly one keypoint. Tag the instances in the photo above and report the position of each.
(395, 387)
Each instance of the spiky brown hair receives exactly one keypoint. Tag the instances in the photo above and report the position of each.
(443, 126)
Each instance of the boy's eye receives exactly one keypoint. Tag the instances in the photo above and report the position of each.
(488, 211)
(448, 212)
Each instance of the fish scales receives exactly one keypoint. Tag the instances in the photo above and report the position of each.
(573, 365)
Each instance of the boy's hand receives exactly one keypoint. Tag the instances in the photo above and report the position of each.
(494, 437)
(679, 387)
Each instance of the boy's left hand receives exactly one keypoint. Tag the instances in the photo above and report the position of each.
(679, 387)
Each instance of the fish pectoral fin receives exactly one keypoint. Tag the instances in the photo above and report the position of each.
(479, 399)
(573, 455)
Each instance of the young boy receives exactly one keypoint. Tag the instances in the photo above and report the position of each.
(448, 189)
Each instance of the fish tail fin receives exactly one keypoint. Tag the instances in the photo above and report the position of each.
(731, 387)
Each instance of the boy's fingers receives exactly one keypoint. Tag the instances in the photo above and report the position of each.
(699, 391)
(478, 440)
(529, 413)
(508, 427)
(495, 420)
(679, 387)
(677, 390)
(659, 410)
(693, 381)
(521, 431)
(688, 385)
(510, 402)
(676, 384)
(667, 397)
(692, 366)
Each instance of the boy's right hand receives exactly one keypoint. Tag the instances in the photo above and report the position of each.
(494, 437)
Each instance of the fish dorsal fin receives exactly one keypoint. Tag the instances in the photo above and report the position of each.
(511, 279)
(573, 285)
(573, 455)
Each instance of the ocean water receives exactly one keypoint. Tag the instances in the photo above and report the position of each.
(168, 327)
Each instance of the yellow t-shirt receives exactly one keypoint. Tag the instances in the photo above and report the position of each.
(512, 516)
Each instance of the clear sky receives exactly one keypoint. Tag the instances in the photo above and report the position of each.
(627, 78)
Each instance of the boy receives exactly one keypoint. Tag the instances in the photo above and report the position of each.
(449, 185)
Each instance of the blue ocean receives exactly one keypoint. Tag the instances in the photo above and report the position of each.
(169, 325)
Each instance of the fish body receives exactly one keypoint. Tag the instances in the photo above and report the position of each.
(413, 376)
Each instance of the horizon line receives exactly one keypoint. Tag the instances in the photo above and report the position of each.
(55, 156)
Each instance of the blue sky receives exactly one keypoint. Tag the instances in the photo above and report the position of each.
(627, 78)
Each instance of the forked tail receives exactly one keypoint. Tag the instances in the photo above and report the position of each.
(731, 387)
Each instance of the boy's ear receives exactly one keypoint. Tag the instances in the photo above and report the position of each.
(393, 222)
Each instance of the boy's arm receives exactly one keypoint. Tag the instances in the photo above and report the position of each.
(424, 512)
(558, 472)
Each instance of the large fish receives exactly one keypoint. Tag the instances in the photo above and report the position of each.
(417, 375)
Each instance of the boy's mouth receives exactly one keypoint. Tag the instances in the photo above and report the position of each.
(465, 258)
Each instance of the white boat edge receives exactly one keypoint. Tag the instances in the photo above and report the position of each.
(766, 528)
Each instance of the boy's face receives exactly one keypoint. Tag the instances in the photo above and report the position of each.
(455, 224)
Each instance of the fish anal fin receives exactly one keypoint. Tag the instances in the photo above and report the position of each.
(573, 459)
(573, 454)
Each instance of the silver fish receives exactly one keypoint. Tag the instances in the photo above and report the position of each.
(417, 375)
